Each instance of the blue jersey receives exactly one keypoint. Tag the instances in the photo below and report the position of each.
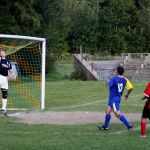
(116, 86)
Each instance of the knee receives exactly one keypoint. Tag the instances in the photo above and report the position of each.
(143, 120)
(117, 114)
(4, 94)
(108, 110)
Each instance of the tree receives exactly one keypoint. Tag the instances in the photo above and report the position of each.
(20, 16)
(143, 11)
(53, 26)
(119, 29)
(7, 25)
(83, 16)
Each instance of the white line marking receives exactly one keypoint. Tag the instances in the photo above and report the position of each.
(75, 133)
(14, 114)
(17, 109)
(78, 105)
(73, 106)
(134, 129)
(50, 133)
(137, 105)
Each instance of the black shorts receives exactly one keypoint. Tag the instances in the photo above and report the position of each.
(146, 110)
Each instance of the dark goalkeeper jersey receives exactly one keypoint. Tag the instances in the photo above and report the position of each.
(5, 65)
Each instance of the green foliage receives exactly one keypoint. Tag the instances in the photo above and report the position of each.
(62, 70)
(119, 27)
(57, 42)
(78, 75)
(21, 17)
(7, 25)
(50, 63)
(83, 24)
(112, 26)
(144, 20)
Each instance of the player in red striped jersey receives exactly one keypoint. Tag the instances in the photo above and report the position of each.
(146, 110)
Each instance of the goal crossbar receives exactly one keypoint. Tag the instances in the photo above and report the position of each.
(43, 40)
(22, 37)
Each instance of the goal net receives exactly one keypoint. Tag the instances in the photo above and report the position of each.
(27, 56)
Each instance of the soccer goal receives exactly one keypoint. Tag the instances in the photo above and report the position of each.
(27, 56)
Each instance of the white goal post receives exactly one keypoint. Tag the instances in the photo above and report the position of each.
(42, 42)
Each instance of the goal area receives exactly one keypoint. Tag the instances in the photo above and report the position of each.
(27, 56)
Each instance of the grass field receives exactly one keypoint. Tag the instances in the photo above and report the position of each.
(65, 95)
(88, 96)
(17, 136)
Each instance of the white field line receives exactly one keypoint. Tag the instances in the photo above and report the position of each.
(136, 105)
(50, 133)
(13, 114)
(17, 109)
(85, 104)
(55, 133)
(76, 133)
(124, 131)
(78, 105)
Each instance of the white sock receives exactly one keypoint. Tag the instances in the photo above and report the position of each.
(4, 103)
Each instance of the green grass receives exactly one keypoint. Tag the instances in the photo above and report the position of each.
(88, 96)
(65, 95)
(16, 136)
(63, 68)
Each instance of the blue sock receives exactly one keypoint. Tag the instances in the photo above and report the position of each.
(124, 120)
(107, 120)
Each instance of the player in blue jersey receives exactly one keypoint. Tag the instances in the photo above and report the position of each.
(116, 87)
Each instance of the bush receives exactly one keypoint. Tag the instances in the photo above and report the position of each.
(50, 63)
(78, 75)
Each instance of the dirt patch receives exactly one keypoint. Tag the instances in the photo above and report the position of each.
(70, 118)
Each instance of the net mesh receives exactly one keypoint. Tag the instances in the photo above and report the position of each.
(25, 57)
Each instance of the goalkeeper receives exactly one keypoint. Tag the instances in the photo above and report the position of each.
(5, 70)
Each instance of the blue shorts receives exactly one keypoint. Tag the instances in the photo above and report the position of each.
(114, 103)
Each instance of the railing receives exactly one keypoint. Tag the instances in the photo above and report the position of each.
(87, 66)
(135, 67)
